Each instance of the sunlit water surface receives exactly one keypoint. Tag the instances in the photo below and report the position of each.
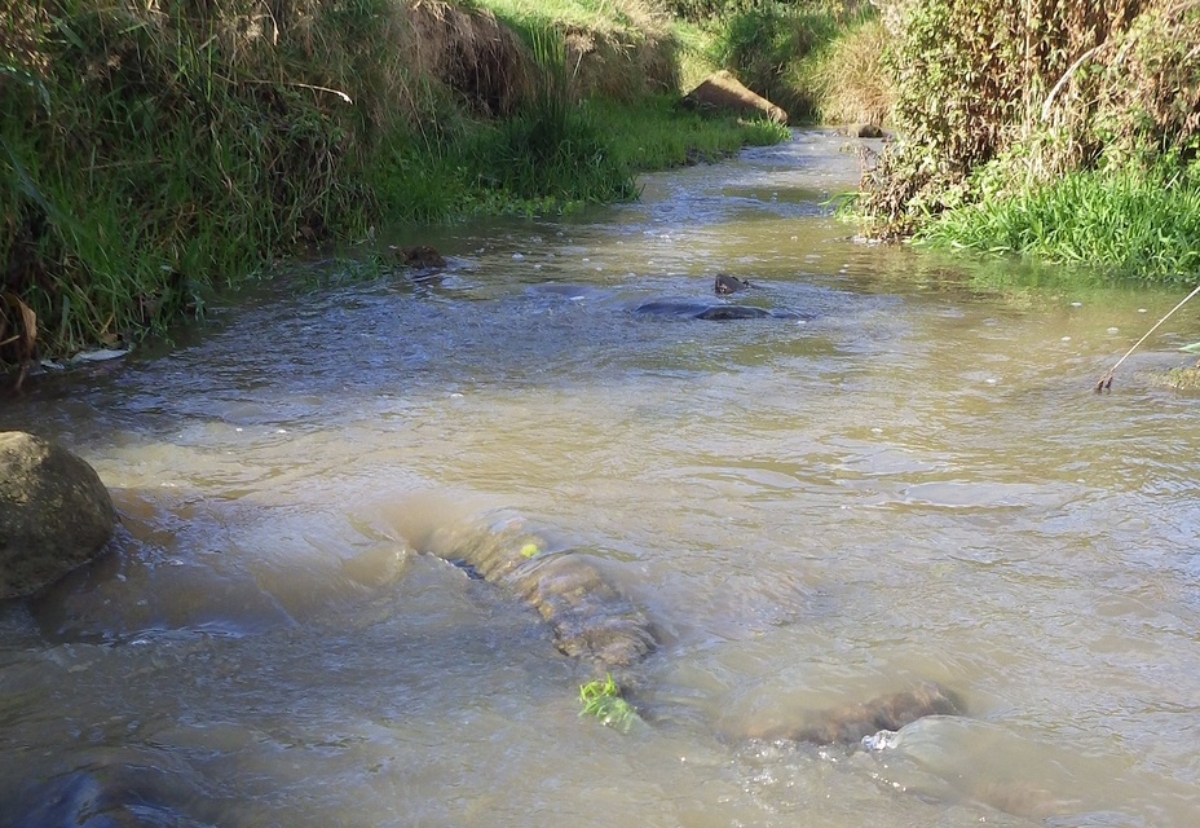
(914, 480)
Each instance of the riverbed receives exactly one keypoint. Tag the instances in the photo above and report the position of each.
(903, 476)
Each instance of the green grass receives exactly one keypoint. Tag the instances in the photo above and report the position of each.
(602, 699)
(660, 135)
(1135, 222)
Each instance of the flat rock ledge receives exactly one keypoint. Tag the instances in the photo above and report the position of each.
(55, 513)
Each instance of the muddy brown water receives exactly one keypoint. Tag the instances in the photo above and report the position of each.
(913, 481)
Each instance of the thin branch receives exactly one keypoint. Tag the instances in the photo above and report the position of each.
(1066, 77)
(1105, 382)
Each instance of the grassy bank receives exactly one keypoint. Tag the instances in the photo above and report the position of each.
(1142, 222)
(1069, 135)
(148, 157)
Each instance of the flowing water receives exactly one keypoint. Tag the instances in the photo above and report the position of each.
(910, 479)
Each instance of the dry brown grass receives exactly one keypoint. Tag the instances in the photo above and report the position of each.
(471, 52)
(852, 84)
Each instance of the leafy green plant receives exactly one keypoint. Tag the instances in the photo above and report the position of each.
(602, 698)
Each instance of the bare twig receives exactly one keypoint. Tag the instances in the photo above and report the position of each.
(1066, 77)
(1105, 382)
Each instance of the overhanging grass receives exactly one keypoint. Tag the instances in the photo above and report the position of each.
(1142, 223)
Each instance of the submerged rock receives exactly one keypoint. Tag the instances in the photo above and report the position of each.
(851, 723)
(114, 789)
(55, 513)
(710, 312)
(591, 617)
(726, 284)
(420, 257)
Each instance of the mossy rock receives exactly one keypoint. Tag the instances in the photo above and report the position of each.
(1184, 378)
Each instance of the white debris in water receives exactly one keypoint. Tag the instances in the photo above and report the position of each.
(98, 356)
(991, 380)
(1066, 339)
(1077, 304)
(1114, 330)
(883, 740)
(1142, 310)
(877, 430)
(585, 259)
(518, 256)
(537, 267)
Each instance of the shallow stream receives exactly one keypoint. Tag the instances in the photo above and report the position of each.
(908, 478)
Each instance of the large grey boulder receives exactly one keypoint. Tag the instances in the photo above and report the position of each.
(55, 514)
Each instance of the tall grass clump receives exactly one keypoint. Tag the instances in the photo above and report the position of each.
(846, 78)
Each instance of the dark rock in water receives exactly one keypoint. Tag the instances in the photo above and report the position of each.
(849, 724)
(116, 791)
(727, 284)
(697, 310)
(724, 312)
(863, 131)
(55, 513)
(420, 257)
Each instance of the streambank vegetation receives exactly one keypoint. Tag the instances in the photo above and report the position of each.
(153, 151)
(1068, 131)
